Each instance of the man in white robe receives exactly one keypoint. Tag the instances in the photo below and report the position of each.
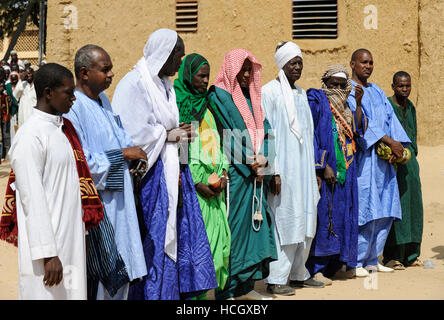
(145, 100)
(294, 207)
(151, 123)
(28, 99)
(51, 233)
(13, 59)
(17, 90)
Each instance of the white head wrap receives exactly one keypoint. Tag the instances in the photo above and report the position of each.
(287, 52)
(284, 54)
(158, 48)
(155, 53)
(340, 75)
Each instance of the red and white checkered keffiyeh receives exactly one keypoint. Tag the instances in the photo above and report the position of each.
(226, 80)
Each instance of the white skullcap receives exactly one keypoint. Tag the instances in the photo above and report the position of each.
(340, 75)
(287, 52)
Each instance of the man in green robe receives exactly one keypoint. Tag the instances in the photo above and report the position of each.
(237, 95)
(206, 157)
(403, 244)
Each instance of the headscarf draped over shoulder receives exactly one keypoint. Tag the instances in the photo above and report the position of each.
(226, 80)
(155, 53)
(191, 103)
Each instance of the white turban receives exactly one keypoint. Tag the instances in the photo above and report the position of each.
(284, 54)
(287, 52)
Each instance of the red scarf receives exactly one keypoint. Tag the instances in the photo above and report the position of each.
(91, 204)
(227, 80)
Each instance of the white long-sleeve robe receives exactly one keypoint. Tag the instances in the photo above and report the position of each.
(49, 209)
(148, 129)
(28, 101)
(295, 209)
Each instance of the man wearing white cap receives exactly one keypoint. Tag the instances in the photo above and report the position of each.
(294, 192)
(15, 60)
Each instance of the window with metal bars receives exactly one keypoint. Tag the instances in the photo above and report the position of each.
(28, 41)
(315, 19)
(186, 15)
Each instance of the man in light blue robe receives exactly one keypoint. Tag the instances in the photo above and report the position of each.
(379, 203)
(294, 209)
(116, 254)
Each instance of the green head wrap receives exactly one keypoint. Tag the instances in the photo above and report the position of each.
(191, 103)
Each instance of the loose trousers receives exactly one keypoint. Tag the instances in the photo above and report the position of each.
(371, 240)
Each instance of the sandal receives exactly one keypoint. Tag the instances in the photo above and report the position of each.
(417, 263)
(395, 264)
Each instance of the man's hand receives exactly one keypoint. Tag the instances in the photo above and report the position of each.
(133, 153)
(185, 132)
(259, 163)
(359, 93)
(319, 180)
(275, 185)
(53, 271)
(224, 180)
(396, 147)
(138, 167)
(205, 191)
(329, 175)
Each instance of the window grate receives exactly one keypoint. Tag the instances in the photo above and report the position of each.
(315, 19)
(28, 41)
(186, 15)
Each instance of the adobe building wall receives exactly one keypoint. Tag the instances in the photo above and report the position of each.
(405, 29)
(430, 102)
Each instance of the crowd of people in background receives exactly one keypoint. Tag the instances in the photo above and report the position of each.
(169, 190)
(17, 94)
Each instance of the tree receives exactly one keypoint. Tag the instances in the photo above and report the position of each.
(14, 15)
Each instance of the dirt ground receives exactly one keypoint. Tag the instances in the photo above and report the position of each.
(412, 283)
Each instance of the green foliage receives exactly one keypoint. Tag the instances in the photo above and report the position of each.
(10, 13)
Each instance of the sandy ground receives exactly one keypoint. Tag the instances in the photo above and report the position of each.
(412, 283)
